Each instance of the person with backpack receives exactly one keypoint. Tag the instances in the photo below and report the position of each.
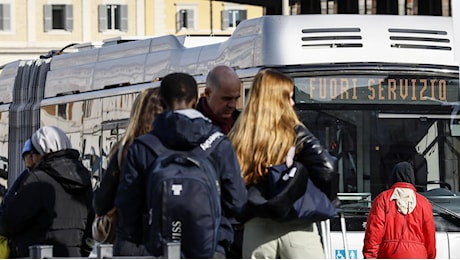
(177, 185)
(266, 133)
(145, 107)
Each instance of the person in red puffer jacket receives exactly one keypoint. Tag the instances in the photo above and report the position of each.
(400, 223)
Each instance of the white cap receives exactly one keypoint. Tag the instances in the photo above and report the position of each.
(49, 139)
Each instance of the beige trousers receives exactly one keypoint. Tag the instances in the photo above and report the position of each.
(265, 238)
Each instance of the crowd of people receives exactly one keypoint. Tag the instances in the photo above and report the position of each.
(53, 202)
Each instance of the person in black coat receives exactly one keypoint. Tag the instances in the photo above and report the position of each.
(219, 104)
(52, 204)
(180, 127)
(146, 106)
(27, 156)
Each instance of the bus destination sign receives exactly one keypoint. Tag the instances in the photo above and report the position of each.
(365, 89)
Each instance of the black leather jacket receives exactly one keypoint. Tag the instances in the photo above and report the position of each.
(321, 165)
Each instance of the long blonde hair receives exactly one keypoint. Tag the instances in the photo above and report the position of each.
(144, 110)
(264, 131)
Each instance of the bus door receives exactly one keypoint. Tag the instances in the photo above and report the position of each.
(338, 132)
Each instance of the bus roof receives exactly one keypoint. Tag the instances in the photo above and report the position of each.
(264, 41)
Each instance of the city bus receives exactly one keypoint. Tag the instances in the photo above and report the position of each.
(375, 89)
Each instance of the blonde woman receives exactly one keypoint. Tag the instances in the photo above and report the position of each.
(145, 107)
(266, 130)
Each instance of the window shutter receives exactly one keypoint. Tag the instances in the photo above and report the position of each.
(243, 15)
(190, 19)
(224, 15)
(124, 18)
(69, 18)
(1, 17)
(5, 19)
(178, 21)
(102, 18)
(47, 21)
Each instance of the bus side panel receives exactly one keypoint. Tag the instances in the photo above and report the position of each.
(354, 240)
(454, 245)
(447, 244)
(442, 245)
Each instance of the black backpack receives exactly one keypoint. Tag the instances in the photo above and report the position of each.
(183, 199)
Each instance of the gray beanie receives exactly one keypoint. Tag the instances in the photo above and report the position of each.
(49, 139)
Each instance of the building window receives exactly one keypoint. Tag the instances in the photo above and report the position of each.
(185, 19)
(113, 17)
(231, 18)
(387, 7)
(347, 6)
(58, 17)
(87, 108)
(62, 111)
(5, 17)
(432, 7)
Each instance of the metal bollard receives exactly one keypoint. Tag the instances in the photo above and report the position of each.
(40, 251)
(104, 251)
(172, 250)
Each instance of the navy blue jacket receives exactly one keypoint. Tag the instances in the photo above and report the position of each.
(180, 130)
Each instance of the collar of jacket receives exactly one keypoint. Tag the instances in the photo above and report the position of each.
(403, 185)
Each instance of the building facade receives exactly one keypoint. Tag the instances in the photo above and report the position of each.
(30, 28)
(396, 7)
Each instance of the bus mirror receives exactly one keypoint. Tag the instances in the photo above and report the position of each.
(455, 128)
(455, 121)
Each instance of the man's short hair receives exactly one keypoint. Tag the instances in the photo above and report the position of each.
(178, 87)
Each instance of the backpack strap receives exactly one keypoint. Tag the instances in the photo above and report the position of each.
(209, 144)
(154, 144)
(205, 149)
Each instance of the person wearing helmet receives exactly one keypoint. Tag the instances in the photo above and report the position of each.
(27, 156)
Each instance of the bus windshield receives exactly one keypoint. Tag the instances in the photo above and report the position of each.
(371, 122)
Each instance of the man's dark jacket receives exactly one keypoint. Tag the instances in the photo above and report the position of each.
(179, 130)
(51, 206)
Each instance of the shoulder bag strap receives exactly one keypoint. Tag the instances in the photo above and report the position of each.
(209, 144)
